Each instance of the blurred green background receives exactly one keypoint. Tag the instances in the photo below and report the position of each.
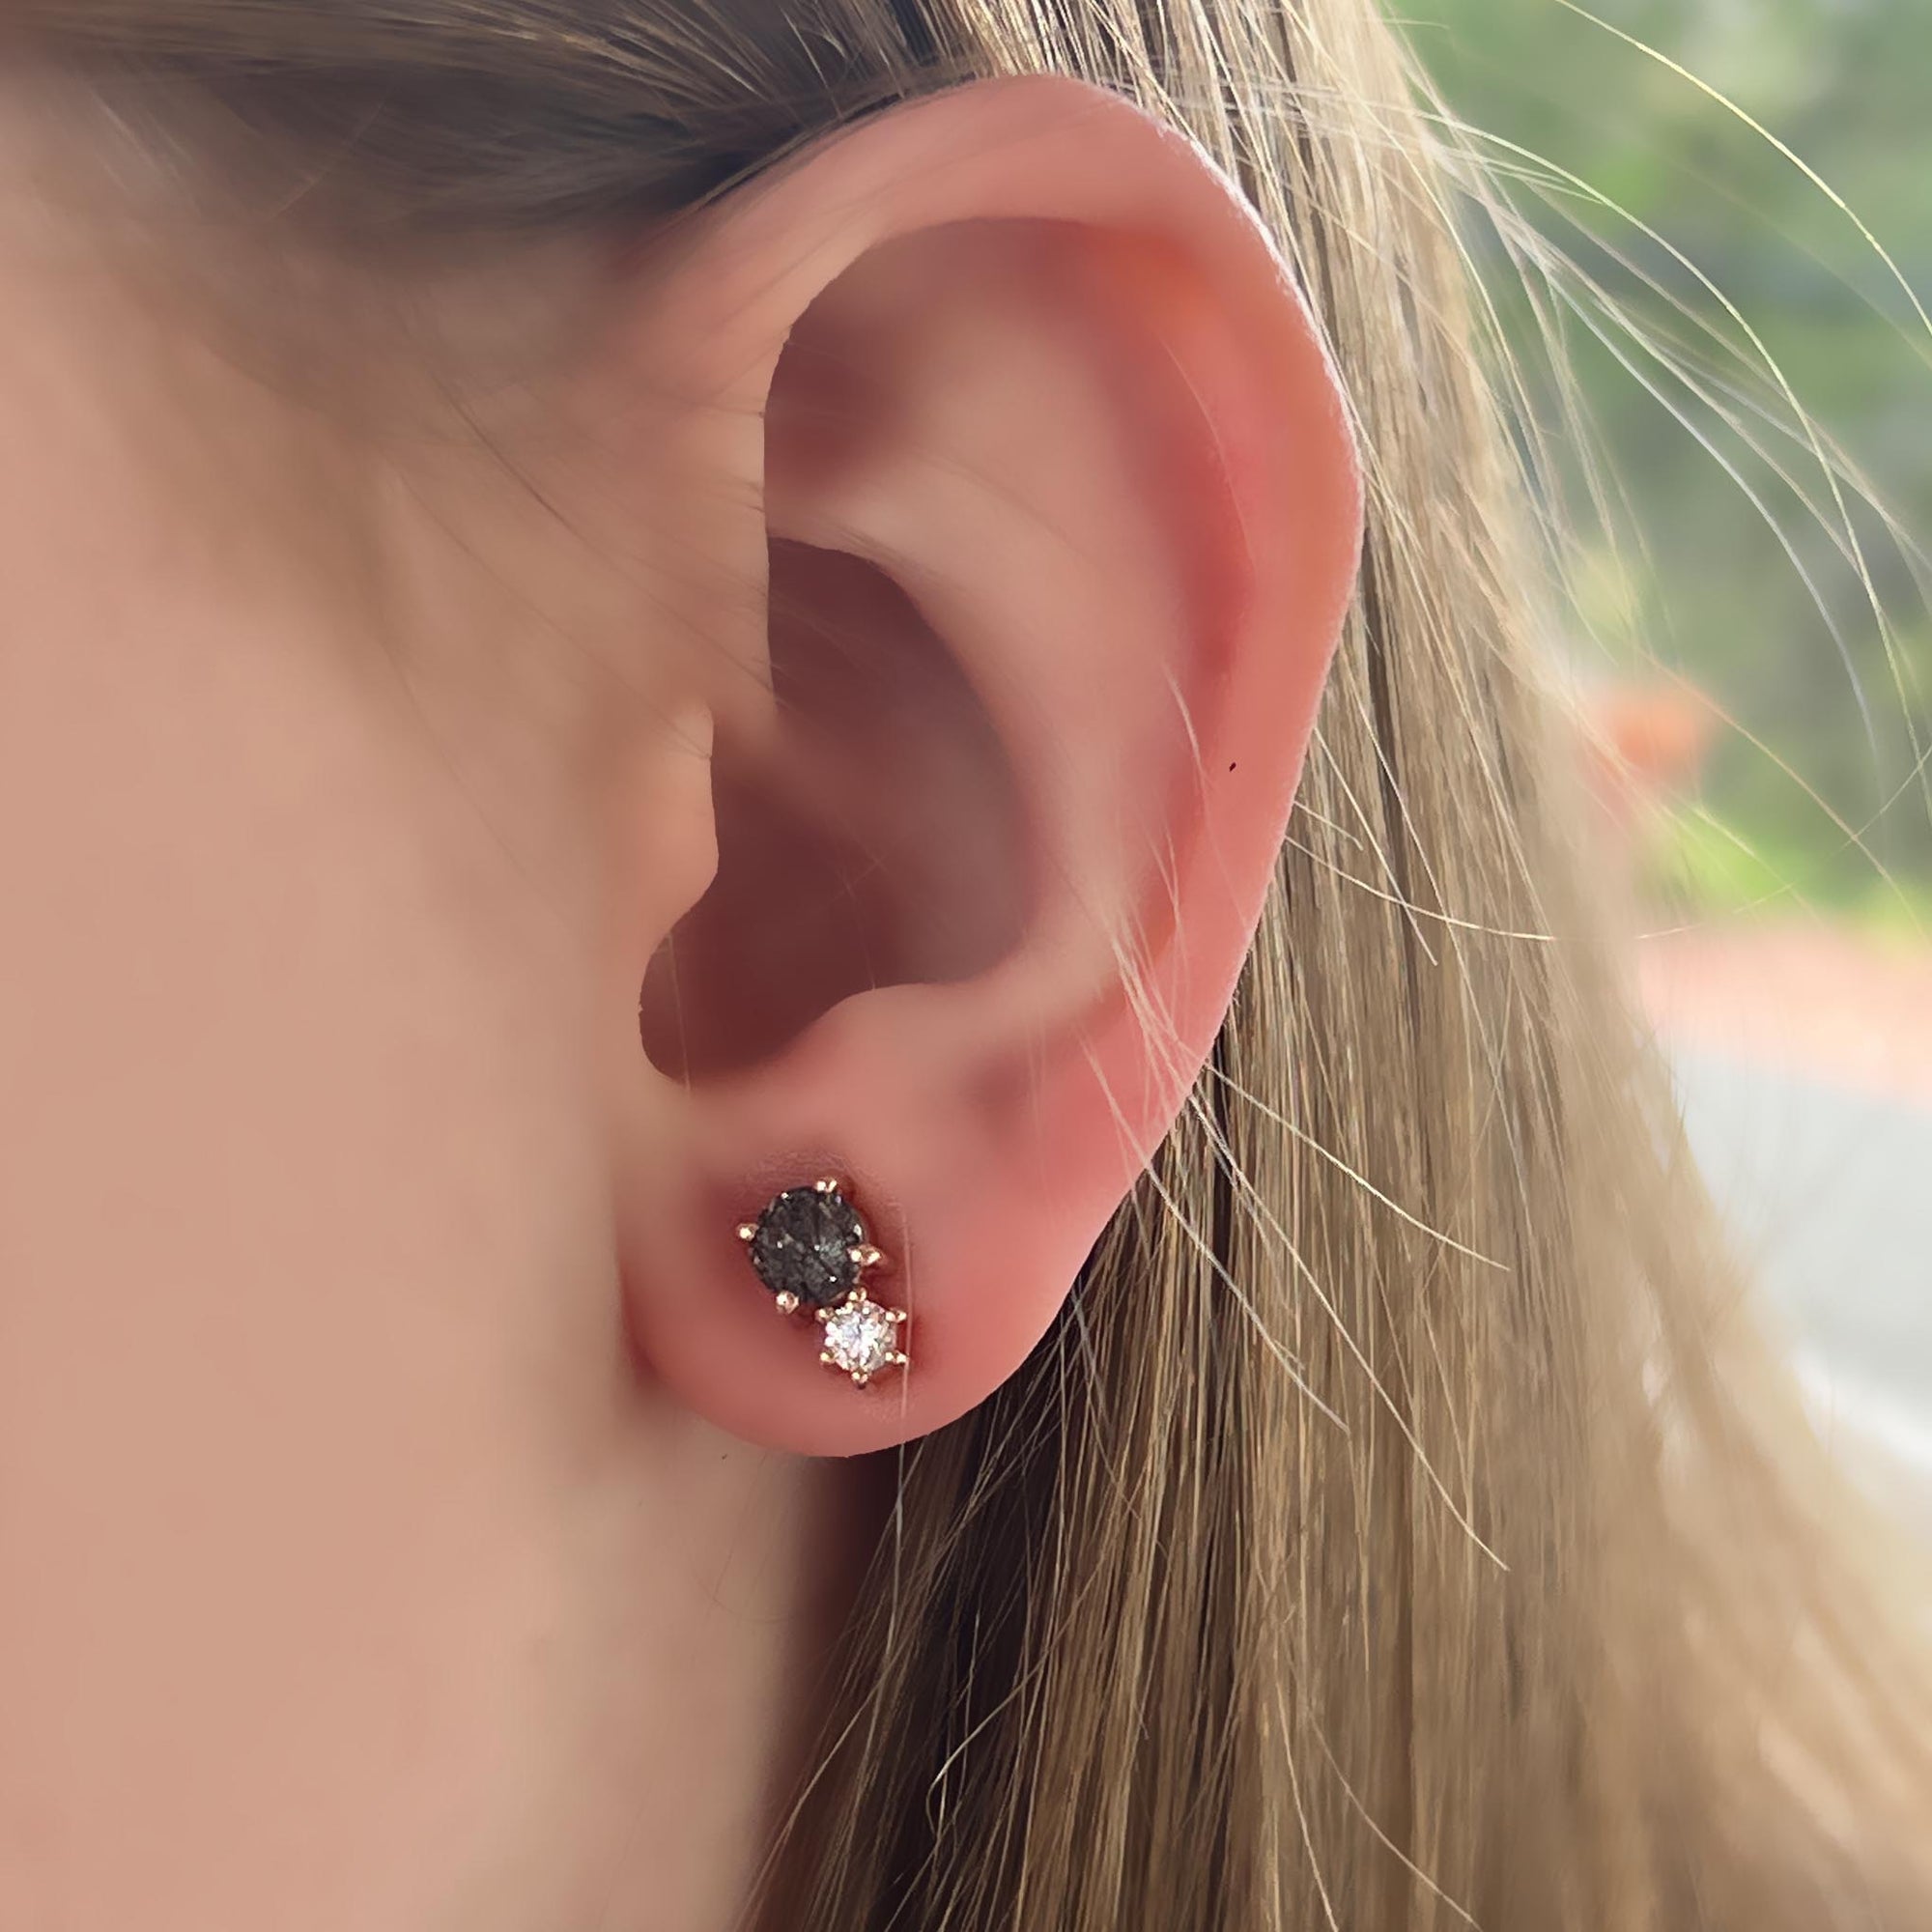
(1689, 273)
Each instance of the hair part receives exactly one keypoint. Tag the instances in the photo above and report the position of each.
(1400, 1528)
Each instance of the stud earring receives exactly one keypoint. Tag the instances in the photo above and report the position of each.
(809, 1248)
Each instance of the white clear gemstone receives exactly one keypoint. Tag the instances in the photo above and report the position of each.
(860, 1337)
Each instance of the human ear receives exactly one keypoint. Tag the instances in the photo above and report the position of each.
(1046, 479)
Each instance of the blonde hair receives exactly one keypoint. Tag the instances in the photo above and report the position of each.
(1402, 1527)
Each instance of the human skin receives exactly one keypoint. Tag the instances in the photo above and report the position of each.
(411, 1514)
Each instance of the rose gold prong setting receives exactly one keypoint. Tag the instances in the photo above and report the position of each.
(811, 1249)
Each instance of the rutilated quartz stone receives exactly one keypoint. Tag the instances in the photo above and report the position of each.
(804, 1245)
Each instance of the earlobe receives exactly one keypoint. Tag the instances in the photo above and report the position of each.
(1064, 518)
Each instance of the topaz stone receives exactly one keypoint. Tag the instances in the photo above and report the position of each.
(803, 1246)
(862, 1337)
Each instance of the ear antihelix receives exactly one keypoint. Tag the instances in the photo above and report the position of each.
(810, 1247)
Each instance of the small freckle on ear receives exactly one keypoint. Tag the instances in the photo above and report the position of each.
(1232, 766)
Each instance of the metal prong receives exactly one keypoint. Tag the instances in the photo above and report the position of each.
(853, 1296)
(901, 1361)
(827, 1359)
(860, 1379)
(895, 1316)
(866, 1258)
(748, 1231)
(822, 1315)
(788, 1303)
(826, 1184)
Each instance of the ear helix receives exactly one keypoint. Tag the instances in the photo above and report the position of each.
(809, 1248)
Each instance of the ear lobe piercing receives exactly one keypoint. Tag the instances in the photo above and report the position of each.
(809, 1248)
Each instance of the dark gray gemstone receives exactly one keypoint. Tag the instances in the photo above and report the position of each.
(803, 1246)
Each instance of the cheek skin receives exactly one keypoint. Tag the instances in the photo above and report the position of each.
(339, 1550)
(267, 1485)
(296, 1255)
